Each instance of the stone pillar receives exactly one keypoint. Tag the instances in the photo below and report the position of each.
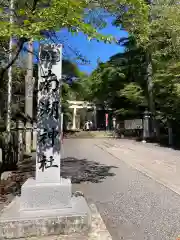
(48, 122)
(74, 118)
(29, 86)
(146, 129)
(114, 123)
(48, 190)
(28, 138)
(34, 144)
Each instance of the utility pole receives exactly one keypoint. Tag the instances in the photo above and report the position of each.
(9, 98)
(29, 85)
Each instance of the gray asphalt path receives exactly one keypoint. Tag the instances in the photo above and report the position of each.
(132, 205)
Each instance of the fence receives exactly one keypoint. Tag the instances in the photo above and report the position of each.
(140, 129)
(130, 125)
(13, 151)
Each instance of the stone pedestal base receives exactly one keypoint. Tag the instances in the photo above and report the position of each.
(44, 209)
(39, 196)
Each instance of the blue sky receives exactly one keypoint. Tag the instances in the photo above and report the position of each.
(91, 50)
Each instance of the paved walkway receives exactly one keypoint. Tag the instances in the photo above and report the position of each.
(159, 163)
(132, 205)
(113, 174)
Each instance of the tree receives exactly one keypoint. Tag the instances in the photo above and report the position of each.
(129, 95)
(165, 48)
(38, 18)
(162, 42)
(120, 82)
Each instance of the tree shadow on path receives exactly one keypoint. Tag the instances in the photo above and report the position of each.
(78, 170)
(82, 170)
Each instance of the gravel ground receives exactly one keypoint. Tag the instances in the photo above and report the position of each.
(133, 206)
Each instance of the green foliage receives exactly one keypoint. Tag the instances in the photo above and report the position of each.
(34, 16)
(165, 28)
(134, 21)
(166, 90)
(163, 46)
(70, 69)
(120, 82)
(133, 92)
